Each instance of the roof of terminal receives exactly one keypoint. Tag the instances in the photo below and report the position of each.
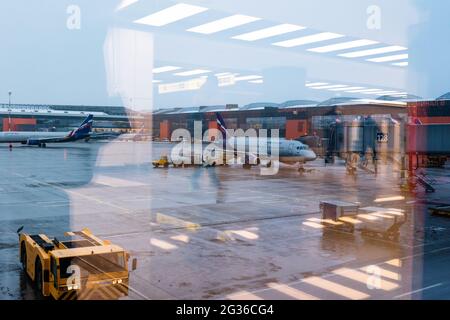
(64, 110)
(114, 111)
(444, 96)
(293, 104)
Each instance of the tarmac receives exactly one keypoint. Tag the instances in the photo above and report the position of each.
(227, 232)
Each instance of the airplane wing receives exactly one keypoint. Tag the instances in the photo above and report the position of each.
(231, 153)
(38, 141)
(252, 157)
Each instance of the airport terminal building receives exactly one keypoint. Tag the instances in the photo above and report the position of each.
(340, 126)
(293, 119)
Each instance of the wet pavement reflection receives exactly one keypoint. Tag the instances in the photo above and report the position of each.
(227, 232)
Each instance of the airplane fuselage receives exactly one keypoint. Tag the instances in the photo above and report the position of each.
(24, 136)
(255, 150)
(36, 138)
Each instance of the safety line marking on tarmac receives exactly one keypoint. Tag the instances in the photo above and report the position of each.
(418, 290)
(329, 275)
(68, 191)
(116, 182)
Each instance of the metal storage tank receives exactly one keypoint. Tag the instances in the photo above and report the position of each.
(383, 135)
(354, 135)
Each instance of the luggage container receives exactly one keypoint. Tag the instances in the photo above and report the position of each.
(335, 209)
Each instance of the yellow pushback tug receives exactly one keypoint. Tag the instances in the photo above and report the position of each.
(80, 266)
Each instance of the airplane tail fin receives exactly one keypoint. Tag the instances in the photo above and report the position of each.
(222, 128)
(221, 125)
(84, 129)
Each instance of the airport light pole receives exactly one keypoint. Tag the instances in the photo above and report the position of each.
(9, 110)
(9, 113)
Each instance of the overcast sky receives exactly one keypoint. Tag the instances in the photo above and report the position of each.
(43, 61)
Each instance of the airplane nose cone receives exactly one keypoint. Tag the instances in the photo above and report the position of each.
(311, 156)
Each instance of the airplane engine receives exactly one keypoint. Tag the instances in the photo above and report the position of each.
(209, 160)
(32, 142)
(211, 156)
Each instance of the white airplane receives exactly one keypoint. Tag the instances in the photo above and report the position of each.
(249, 150)
(41, 139)
(289, 151)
